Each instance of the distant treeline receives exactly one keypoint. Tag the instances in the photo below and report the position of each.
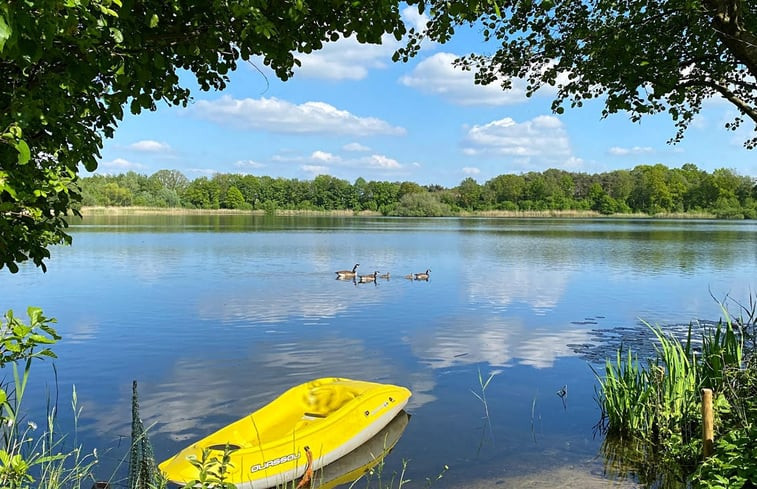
(648, 189)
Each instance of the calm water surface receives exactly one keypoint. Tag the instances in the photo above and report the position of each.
(216, 315)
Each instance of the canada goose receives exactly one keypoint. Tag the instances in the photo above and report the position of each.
(368, 278)
(348, 273)
(421, 276)
(385, 275)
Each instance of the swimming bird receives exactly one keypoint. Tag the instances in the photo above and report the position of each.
(368, 278)
(421, 276)
(348, 273)
(385, 275)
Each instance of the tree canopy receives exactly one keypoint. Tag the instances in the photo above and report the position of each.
(642, 57)
(70, 69)
(647, 189)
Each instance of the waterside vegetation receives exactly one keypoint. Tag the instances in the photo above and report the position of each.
(644, 190)
(652, 407)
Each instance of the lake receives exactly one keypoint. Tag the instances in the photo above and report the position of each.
(215, 315)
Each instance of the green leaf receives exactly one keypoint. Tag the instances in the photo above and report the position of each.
(24, 154)
(154, 20)
(5, 32)
(116, 35)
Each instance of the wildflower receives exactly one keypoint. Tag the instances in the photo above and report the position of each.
(32, 425)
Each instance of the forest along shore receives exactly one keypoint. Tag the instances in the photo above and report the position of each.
(141, 210)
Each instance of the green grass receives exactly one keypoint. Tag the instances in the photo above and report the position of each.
(651, 408)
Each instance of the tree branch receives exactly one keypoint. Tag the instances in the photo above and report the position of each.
(747, 109)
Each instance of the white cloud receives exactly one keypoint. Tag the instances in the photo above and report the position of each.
(347, 59)
(470, 170)
(636, 150)
(150, 146)
(437, 76)
(355, 147)
(324, 157)
(322, 161)
(248, 164)
(203, 171)
(573, 163)
(121, 164)
(315, 169)
(381, 161)
(275, 115)
(543, 138)
(416, 19)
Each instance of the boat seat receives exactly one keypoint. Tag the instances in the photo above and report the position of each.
(322, 401)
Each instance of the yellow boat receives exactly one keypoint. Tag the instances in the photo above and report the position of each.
(361, 460)
(327, 417)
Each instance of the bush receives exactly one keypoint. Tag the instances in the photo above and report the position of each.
(421, 205)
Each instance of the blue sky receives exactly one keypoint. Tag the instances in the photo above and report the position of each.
(351, 112)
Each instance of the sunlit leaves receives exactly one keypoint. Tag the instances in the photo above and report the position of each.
(5, 32)
(75, 66)
(20, 340)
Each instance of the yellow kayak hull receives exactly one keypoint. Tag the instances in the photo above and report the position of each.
(360, 461)
(331, 416)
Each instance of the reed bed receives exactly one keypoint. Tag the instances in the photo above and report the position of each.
(641, 399)
(654, 405)
(181, 211)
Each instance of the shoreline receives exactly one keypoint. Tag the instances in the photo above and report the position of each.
(574, 214)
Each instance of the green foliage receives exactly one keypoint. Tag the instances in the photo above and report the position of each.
(18, 340)
(235, 199)
(734, 463)
(212, 471)
(657, 407)
(612, 52)
(28, 460)
(483, 384)
(654, 189)
(143, 472)
(623, 395)
(71, 69)
(421, 205)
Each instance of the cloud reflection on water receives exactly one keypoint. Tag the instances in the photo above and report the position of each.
(497, 342)
(197, 397)
(541, 291)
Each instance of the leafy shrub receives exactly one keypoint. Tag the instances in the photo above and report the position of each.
(734, 463)
(421, 205)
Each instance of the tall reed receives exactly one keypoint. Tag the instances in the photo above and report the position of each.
(623, 394)
(656, 403)
(642, 398)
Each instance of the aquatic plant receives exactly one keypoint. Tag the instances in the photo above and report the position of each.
(734, 461)
(143, 471)
(482, 395)
(622, 395)
(26, 459)
(212, 471)
(654, 406)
